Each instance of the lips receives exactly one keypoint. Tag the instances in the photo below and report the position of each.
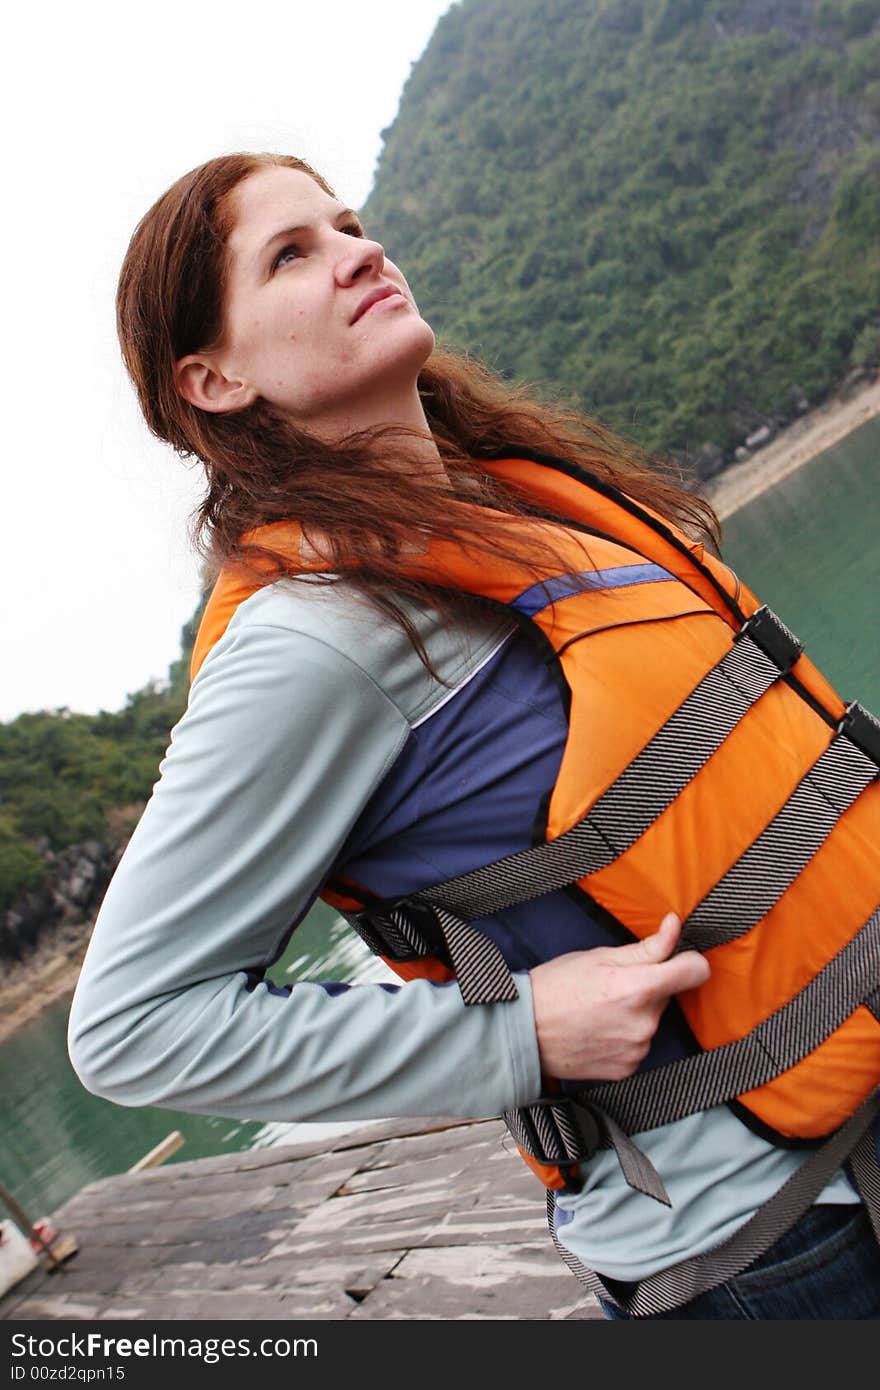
(380, 292)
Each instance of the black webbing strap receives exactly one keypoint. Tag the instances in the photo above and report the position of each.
(762, 651)
(759, 878)
(480, 968)
(393, 933)
(862, 728)
(685, 1281)
(403, 932)
(560, 1131)
(866, 1174)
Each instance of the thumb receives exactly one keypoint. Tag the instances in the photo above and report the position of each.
(659, 946)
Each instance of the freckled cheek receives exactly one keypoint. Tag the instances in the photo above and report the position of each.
(248, 337)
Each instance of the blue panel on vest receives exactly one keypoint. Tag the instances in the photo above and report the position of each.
(541, 595)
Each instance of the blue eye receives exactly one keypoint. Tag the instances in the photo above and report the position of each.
(292, 251)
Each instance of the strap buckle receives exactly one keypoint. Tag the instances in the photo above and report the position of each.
(558, 1129)
(578, 1129)
(402, 930)
(775, 640)
(588, 1126)
(861, 728)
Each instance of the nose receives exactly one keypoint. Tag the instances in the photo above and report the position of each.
(358, 256)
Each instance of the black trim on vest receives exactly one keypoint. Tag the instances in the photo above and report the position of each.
(637, 622)
(767, 1133)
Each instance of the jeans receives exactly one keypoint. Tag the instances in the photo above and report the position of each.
(826, 1266)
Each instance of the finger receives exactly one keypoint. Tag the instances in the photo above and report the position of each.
(656, 947)
(685, 971)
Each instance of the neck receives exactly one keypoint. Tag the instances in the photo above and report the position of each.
(406, 414)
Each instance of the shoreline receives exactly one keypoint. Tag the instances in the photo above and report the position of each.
(46, 978)
(50, 975)
(805, 439)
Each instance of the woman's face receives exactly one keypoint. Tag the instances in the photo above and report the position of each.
(316, 320)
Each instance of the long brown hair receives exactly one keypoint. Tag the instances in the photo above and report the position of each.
(365, 496)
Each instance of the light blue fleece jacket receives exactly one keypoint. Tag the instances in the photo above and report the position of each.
(297, 725)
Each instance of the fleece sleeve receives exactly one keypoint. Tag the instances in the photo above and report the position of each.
(284, 741)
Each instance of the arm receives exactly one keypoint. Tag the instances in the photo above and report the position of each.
(283, 743)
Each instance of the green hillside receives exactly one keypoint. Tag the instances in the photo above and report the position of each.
(71, 779)
(666, 210)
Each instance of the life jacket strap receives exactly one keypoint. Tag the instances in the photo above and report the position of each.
(764, 872)
(686, 1280)
(862, 728)
(767, 630)
(562, 1130)
(410, 931)
(399, 931)
(864, 1166)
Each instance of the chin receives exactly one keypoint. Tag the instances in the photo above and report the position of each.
(430, 342)
(422, 334)
(409, 350)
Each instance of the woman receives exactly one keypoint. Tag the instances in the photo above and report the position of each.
(359, 727)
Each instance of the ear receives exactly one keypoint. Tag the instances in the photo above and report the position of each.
(200, 380)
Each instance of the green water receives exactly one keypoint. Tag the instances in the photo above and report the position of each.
(808, 547)
(56, 1137)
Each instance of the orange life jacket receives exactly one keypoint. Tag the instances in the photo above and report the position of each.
(729, 784)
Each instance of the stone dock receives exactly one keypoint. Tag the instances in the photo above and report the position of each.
(394, 1221)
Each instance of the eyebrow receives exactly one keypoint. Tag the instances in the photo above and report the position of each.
(344, 214)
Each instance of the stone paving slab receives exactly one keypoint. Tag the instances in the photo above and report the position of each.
(393, 1221)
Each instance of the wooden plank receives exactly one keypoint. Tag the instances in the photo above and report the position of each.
(147, 1216)
(487, 1136)
(147, 1187)
(470, 1164)
(162, 1151)
(407, 1129)
(313, 1244)
(157, 1204)
(165, 1228)
(45, 1306)
(106, 1278)
(459, 1282)
(354, 1273)
(351, 1218)
(360, 1137)
(432, 1220)
(253, 1307)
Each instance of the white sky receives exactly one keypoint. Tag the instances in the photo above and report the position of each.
(104, 105)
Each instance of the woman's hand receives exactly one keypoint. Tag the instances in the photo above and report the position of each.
(597, 1011)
